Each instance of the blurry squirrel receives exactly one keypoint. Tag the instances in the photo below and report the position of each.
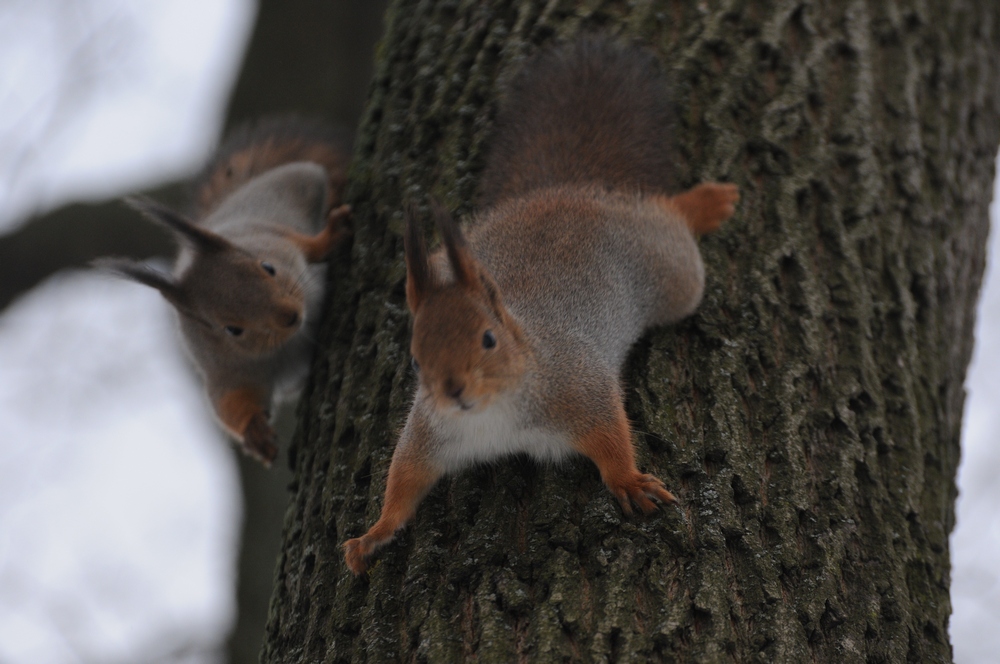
(248, 282)
(521, 331)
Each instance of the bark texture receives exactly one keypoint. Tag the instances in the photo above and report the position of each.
(312, 58)
(807, 416)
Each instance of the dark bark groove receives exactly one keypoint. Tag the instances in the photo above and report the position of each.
(807, 416)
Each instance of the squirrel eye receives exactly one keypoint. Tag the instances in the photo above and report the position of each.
(268, 268)
(234, 331)
(415, 364)
(489, 339)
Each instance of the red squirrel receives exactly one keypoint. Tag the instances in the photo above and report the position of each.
(248, 281)
(520, 331)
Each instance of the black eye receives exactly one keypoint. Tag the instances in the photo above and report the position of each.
(489, 339)
(415, 364)
(234, 331)
(268, 268)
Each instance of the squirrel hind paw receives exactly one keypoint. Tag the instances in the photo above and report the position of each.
(707, 205)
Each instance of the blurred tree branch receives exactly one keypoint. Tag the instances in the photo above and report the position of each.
(307, 57)
(71, 237)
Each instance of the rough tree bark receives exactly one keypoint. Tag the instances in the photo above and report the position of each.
(807, 416)
(315, 59)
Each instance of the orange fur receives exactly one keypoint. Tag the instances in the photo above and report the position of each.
(409, 480)
(317, 247)
(705, 206)
(609, 446)
(243, 413)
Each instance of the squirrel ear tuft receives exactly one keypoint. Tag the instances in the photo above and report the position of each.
(142, 273)
(492, 294)
(463, 264)
(418, 271)
(203, 240)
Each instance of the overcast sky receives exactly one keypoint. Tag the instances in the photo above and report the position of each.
(99, 562)
(119, 499)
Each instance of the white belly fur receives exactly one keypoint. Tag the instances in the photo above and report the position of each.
(498, 431)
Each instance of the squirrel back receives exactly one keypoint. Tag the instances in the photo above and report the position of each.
(247, 283)
(594, 111)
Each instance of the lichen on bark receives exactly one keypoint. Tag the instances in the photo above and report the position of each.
(807, 416)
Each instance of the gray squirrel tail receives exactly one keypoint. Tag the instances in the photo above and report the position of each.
(593, 111)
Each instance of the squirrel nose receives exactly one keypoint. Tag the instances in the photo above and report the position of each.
(453, 388)
(289, 318)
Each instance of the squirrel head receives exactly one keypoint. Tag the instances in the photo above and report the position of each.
(467, 348)
(231, 299)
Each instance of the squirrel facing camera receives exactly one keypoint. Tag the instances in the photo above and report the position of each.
(520, 331)
(247, 283)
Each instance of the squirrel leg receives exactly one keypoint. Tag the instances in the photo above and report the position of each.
(705, 206)
(409, 481)
(609, 446)
(243, 413)
(317, 247)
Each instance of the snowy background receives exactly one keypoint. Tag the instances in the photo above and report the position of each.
(99, 563)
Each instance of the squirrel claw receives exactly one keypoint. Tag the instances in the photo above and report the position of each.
(639, 489)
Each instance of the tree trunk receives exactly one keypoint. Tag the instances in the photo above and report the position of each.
(807, 416)
(315, 59)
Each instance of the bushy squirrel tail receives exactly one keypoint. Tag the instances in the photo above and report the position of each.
(256, 147)
(590, 111)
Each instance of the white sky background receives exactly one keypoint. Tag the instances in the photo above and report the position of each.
(975, 543)
(119, 500)
(99, 562)
(100, 97)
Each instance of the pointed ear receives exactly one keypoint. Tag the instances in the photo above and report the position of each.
(203, 240)
(142, 273)
(418, 271)
(463, 264)
(492, 294)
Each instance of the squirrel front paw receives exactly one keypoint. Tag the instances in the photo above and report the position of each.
(337, 227)
(639, 488)
(242, 411)
(337, 217)
(260, 440)
(356, 552)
